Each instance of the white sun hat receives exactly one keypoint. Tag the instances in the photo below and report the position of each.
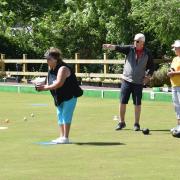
(139, 37)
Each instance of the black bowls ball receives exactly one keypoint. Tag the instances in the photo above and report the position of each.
(145, 131)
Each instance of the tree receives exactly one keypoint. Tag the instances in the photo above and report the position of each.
(159, 20)
(84, 25)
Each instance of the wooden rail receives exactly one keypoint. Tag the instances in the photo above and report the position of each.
(77, 62)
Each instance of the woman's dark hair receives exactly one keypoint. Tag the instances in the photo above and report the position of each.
(54, 53)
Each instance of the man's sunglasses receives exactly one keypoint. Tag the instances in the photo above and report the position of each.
(136, 41)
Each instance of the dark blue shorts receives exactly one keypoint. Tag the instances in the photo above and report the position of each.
(127, 89)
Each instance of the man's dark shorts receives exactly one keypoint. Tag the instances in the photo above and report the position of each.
(127, 89)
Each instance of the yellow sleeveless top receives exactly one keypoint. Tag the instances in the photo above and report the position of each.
(175, 80)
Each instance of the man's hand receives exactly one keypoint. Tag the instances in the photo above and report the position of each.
(109, 46)
(146, 80)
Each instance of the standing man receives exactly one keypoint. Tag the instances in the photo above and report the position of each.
(138, 69)
(174, 75)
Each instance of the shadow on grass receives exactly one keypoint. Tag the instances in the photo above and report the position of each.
(165, 130)
(99, 143)
(124, 130)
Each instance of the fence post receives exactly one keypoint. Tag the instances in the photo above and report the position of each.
(77, 66)
(106, 66)
(2, 63)
(24, 68)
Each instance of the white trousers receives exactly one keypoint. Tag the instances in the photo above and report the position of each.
(176, 100)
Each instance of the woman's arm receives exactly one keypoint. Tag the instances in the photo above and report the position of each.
(172, 73)
(177, 72)
(63, 73)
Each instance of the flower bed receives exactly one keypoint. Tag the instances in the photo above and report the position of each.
(99, 82)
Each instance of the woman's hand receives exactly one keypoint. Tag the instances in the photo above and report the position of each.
(171, 73)
(42, 87)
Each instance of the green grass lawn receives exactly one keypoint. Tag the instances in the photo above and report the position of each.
(98, 152)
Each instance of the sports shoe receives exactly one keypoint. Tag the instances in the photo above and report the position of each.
(177, 128)
(61, 140)
(57, 139)
(176, 133)
(136, 127)
(64, 140)
(120, 126)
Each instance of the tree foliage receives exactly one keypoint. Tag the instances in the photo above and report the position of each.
(160, 19)
(32, 26)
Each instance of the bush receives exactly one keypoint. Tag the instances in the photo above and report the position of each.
(160, 77)
(12, 48)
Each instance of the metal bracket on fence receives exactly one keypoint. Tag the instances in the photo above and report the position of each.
(102, 94)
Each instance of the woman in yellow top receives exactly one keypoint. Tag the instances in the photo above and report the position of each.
(174, 75)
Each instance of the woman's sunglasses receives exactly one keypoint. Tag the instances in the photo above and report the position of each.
(49, 59)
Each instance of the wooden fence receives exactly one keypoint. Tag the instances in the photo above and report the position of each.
(77, 62)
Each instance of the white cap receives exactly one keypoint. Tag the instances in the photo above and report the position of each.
(139, 37)
(176, 44)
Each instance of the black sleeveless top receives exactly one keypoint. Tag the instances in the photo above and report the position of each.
(69, 89)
